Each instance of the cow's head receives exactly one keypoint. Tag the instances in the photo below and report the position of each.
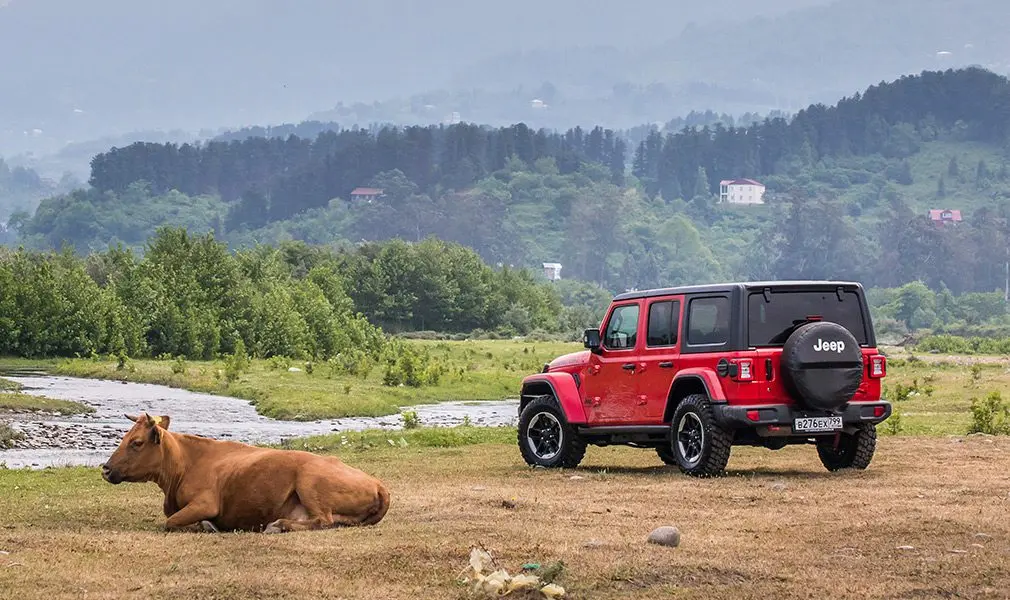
(138, 457)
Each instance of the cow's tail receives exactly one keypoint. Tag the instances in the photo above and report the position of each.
(379, 507)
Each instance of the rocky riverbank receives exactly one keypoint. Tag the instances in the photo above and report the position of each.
(52, 439)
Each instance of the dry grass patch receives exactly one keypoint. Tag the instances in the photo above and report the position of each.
(778, 526)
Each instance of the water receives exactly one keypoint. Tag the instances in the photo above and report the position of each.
(56, 440)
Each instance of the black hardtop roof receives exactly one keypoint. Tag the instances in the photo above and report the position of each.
(728, 287)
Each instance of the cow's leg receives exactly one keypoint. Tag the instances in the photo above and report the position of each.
(309, 513)
(191, 515)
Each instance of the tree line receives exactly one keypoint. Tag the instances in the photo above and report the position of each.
(889, 119)
(190, 296)
(275, 178)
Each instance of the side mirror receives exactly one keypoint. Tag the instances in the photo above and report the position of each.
(591, 340)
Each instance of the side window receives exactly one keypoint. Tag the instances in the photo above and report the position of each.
(708, 323)
(622, 330)
(664, 322)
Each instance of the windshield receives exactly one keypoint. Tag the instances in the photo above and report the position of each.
(771, 322)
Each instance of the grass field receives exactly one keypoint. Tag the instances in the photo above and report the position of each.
(927, 520)
(933, 394)
(474, 370)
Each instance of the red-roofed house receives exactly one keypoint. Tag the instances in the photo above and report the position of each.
(942, 217)
(741, 191)
(366, 194)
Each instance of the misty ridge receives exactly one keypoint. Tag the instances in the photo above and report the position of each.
(81, 71)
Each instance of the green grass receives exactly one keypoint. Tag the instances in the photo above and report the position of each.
(6, 385)
(933, 395)
(17, 402)
(474, 370)
(426, 437)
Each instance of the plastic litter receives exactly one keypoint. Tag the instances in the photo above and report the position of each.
(500, 583)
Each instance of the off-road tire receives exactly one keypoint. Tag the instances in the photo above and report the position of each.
(855, 450)
(666, 455)
(571, 447)
(715, 443)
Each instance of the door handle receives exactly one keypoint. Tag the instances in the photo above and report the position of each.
(668, 364)
(628, 366)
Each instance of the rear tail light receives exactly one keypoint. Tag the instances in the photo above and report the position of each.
(878, 411)
(753, 415)
(878, 366)
(745, 370)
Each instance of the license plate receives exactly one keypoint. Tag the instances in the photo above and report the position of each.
(817, 424)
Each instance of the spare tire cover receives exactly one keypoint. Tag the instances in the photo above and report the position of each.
(822, 365)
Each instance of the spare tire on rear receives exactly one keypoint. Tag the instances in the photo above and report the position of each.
(822, 365)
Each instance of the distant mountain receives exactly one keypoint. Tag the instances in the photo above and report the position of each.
(813, 54)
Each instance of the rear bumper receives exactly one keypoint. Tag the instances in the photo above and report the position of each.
(782, 415)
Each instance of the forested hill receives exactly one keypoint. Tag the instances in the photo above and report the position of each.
(276, 178)
(848, 189)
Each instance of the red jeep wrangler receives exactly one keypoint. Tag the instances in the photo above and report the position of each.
(692, 371)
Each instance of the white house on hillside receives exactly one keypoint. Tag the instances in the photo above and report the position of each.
(741, 191)
(552, 271)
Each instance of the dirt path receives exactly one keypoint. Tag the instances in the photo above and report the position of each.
(52, 439)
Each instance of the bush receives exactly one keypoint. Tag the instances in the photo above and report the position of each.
(351, 362)
(411, 420)
(236, 363)
(9, 436)
(410, 366)
(893, 425)
(990, 416)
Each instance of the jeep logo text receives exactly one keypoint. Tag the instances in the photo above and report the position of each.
(822, 346)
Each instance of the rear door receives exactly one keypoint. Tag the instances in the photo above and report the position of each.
(658, 360)
(706, 330)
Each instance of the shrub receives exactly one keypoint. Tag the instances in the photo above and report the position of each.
(281, 363)
(411, 420)
(8, 436)
(990, 416)
(411, 366)
(976, 373)
(179, 366)
(350, 362)
(237, 362)
(893, 425)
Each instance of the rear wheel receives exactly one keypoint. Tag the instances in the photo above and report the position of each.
(698, 445)
(852, 451)
(545, 437)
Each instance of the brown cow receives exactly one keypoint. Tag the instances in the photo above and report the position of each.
(217, 485)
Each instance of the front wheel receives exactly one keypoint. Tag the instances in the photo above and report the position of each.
(851, 451)
(545, 437)
(698, 444)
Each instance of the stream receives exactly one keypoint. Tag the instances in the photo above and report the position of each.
(57, 440)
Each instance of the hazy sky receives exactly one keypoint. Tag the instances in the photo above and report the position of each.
(80, 69)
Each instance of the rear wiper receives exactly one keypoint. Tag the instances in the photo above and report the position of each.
(788, 331)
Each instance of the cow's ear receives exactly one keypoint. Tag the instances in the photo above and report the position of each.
(162, 421)
(155, 435)
(132, 418)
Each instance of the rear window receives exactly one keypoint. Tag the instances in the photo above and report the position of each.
(771, 322)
